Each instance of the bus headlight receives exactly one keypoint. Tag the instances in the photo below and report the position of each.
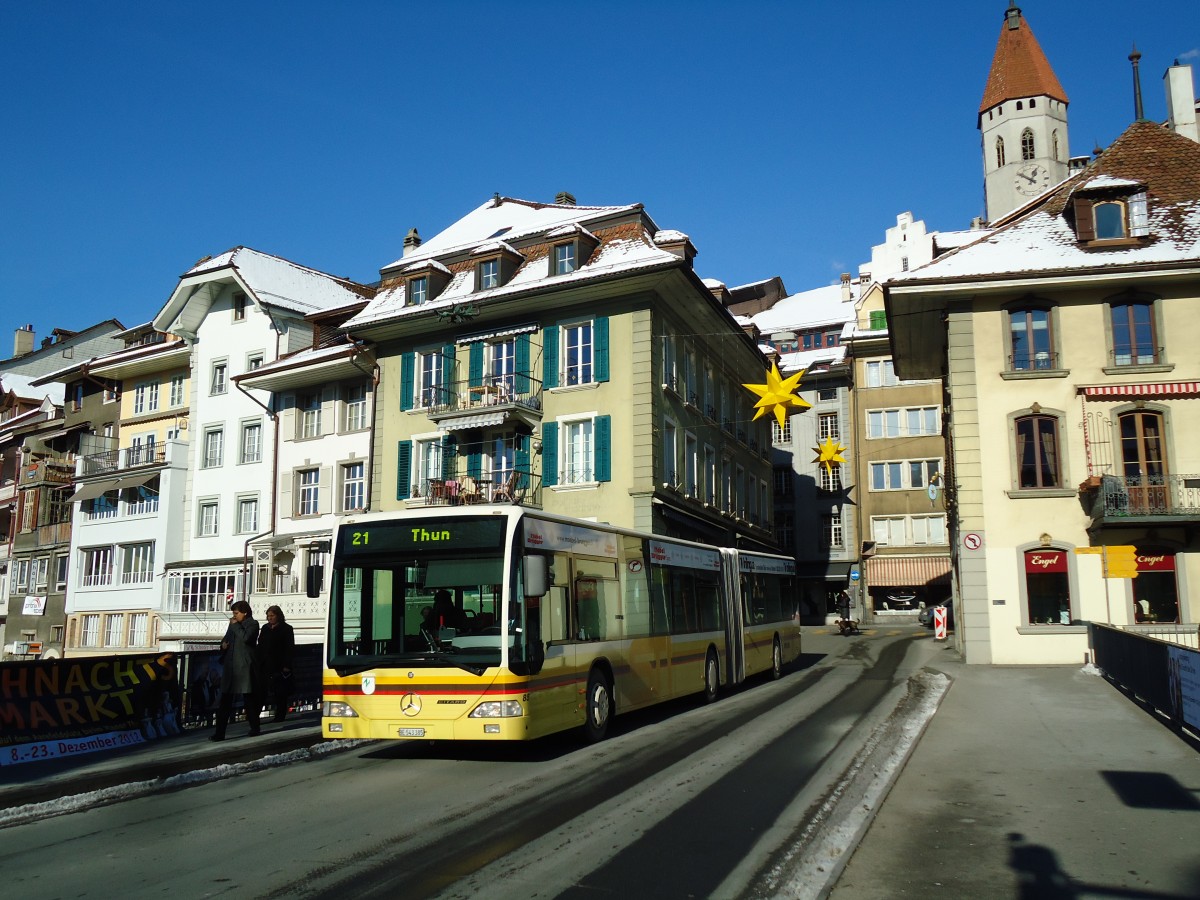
(338, 709)
(496, 709)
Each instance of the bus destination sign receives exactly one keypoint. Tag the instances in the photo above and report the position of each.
(422, 534)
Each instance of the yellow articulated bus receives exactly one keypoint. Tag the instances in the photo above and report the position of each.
(503, 623)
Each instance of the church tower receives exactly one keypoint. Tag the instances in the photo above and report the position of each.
(1023, 118)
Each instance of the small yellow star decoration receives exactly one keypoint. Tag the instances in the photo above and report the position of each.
(778, 393)
(829, 454)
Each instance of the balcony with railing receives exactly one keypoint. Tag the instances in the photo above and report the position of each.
(1039, 361)
(48, 471)
(463, 481)
(1144, 499)
(137, 457)
(492, 400)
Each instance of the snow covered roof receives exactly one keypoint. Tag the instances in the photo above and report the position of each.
(1042, 239)
(23, 387)
(626, 248)
(505, 217)
(809, 359)
(276, 281)
(809, 309)
(952, 240)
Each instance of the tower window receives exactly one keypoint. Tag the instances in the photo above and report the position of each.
(999, 152)
(1054, 143)
(1027, 144)
(1032, 103)
(1020, 105)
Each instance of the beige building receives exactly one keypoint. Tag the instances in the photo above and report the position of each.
(567, 357)
(1066, 340)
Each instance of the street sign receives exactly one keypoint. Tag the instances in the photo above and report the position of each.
(1120, 562)
(972, 541)
(1088, 550)
(939, 623)
(854, 576)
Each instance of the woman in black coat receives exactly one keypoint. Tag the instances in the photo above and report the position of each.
(239, 671)
(276, 646)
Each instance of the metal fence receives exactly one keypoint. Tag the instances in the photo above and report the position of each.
(200, 679)
(1161, 674)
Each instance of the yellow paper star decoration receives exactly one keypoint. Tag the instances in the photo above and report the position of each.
(778, 394)
(829, 454)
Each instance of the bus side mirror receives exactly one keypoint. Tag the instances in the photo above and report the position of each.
(537, 580)
(314, 577)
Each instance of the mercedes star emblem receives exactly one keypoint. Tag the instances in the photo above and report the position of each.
(410, 704)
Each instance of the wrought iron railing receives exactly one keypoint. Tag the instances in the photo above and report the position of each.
(130, 457)
(1155, 495)
(460, 486)
(1033, 362)
(491, 391)
(1136, 355)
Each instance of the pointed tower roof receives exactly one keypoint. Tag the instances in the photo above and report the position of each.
(1019, 68)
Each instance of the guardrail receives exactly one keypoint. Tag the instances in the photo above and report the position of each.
(1163, 675)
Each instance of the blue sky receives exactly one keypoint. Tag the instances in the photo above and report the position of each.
(782, 137)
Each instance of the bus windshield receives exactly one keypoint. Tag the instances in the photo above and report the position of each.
(422, 592)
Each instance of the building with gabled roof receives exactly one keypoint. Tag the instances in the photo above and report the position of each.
(1065, 339)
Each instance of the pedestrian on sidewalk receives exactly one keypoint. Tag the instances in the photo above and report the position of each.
(240, 671)
(276, 647)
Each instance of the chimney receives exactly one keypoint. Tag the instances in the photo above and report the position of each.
(1181, 105)
(564, 198)
(23, 341)
(1135, 58)
(845, 287)
(412, 241)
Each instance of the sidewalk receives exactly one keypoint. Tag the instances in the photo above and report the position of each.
(1035, 782)
(38, 782)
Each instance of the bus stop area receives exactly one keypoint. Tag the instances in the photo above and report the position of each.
(1027, 781)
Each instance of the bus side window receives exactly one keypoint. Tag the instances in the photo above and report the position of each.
(587, 612)
(554, 605)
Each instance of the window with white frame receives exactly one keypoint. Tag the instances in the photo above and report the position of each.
(903, 422)
(489, 274)
(177, 396)
(208, 518)
(60, 572)
(251, 442)
(908, 531)
(829, 478)
(354, 484)
(202, 590)
(214, 447)
(19, 577)
(832, 537)
(39, 573)
(239, 307)
(577, 353)
(500, 456)
(826, 394)
(670, 453)
(828, 426)
(145, 398)
(418, 291)
(96, 566)
(114, 625)
(142, 498)
(428, 464)
(781, 435)
(668, 348)
(310, 414)
(220, 378)
(356, 407)
(502, 366)
(564, 259)
(89, 631)
(430, 367)
(254, 361)
(308, 483)
(710, 475)
(247, 515)
(137, 563)
(903, 474)
(139, 630)
(881, 373)
(578, 452)
(690, 483)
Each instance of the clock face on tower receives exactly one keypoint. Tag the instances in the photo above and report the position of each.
(1031, 179)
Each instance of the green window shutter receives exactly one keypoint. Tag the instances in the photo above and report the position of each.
(521, 384)
(403, 470)
(475, 462)
(475, 364)
(408, 364)
(878, 319)
(600, 348)
(602, 432)
(550, 357)
(449, 458)
(449, 364)
(522, 460)
(549, 453)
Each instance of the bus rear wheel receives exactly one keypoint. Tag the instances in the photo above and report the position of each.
(712, 678)
(776, 661)
(598, 707)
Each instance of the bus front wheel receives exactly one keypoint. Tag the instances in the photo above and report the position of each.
(712, 678)
(599, 708)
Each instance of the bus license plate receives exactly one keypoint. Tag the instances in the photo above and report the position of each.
(412, 732)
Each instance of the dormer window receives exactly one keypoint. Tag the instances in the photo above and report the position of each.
(418, 291)
(564, 259)
(1113, 216)
(489, 274)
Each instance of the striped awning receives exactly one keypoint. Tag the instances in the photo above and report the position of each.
(907, 571)
(1151, 389)
(480, 420)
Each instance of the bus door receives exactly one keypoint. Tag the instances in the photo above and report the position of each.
(735, 627)
(646, 632)
(554, 695)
